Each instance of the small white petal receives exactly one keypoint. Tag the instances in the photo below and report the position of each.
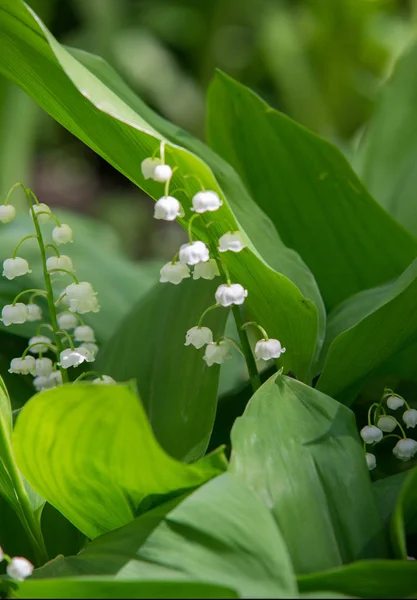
(206, 270)
(84, 333)
(174, 273)
(23, 366)
(90, 347)
(217, 353)
(81, 298)
(7, 213)
(371, 434)
(60, 262)
(232, 241)
(167, 208)
(46, 383)
(410, 417)
(192, 254)
(198, 337)
(44, 208)
(15, 267)
(104, 380)
(387, 423)
(62, 234)
(14, 314)
(226, 295)
(19, 568)
(34, 312)
(43, 367)
(73, 358)
(148, 167)
(267, 349)
(162, 173)
(394, 402)
(206, 201)
(67, 321)
(370, 461)
(405, 449)
(39, 343)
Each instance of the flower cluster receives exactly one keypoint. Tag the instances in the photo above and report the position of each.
(18, 568)
(196, 254)
(64, 349)
(380, 423)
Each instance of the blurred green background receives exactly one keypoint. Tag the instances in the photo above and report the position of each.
(322, 62)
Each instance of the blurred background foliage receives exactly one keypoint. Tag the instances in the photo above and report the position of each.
(321, 62)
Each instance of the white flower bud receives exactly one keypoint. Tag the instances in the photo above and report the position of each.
(405, 449)
(39, 343)
(81, 298)
(46, 383)
(174, 273)
(162, 173)
(104, 380)
(387, 423)
(73, 358)
(226, 295)
(43, 367)
(90, 347)
(266, 349)
(193, 253)
(60, 262)
(84, 333)
(371, 434)
(410, 417)
(206, 270)
(15, 267)
(394, 402)
(198, 337)
(43, 208)
(217, 353)
(19, 568)
(167, 208)
(62, 234)
(232, 241)
(206, 201)
(14, 314)
(370, 461)
(67, 321)
(148, 167)
(7, 213)
(34, 312)
(22, 366)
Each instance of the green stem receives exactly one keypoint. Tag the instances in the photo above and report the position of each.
(86, 374)
(48, 283)
(64, 271)
(34, 291)
(54, 248)
(190, 226)
(67, 335)
(45, 212)
(207, 311)
(246, 349)
(255, 324)
(49, 346)
(27, 237)
(192, 176)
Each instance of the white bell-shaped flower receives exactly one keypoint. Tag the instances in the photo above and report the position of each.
(387, 423)
(19, 568)
(217, 353)
(1, 554)
(81, 298)
(226, 295)
(405, 449)
(162, 173)
(7, 213)
(84, 333)
(41, 208)
(174, 273)
(14, 314)
(15, 267)
(104, 380)
(90, 347)
(40, 344)
(206, 270)
(167, 208)
(370, 460)
(73, 358)
(206, 201)
(394, 402)
(198, 337)
(53, 380)
(371, 434)
(232, 241)
(266, 349)
(34, 312)
(67, 321)
(148, 167)
(62, 234)
(194, 253)
(43, 367)
(410, 417)
(23, 366)
(60, 262)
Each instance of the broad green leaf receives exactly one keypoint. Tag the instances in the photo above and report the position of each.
(405, 514)
(106, 587)
(367, 330)
(6, 425)
(299, 451)
(388, 152)
(178, 390)
(90, 452)
(306, 186)
(386, 492)
(366, 579)
(88, 99)
(221, 534)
